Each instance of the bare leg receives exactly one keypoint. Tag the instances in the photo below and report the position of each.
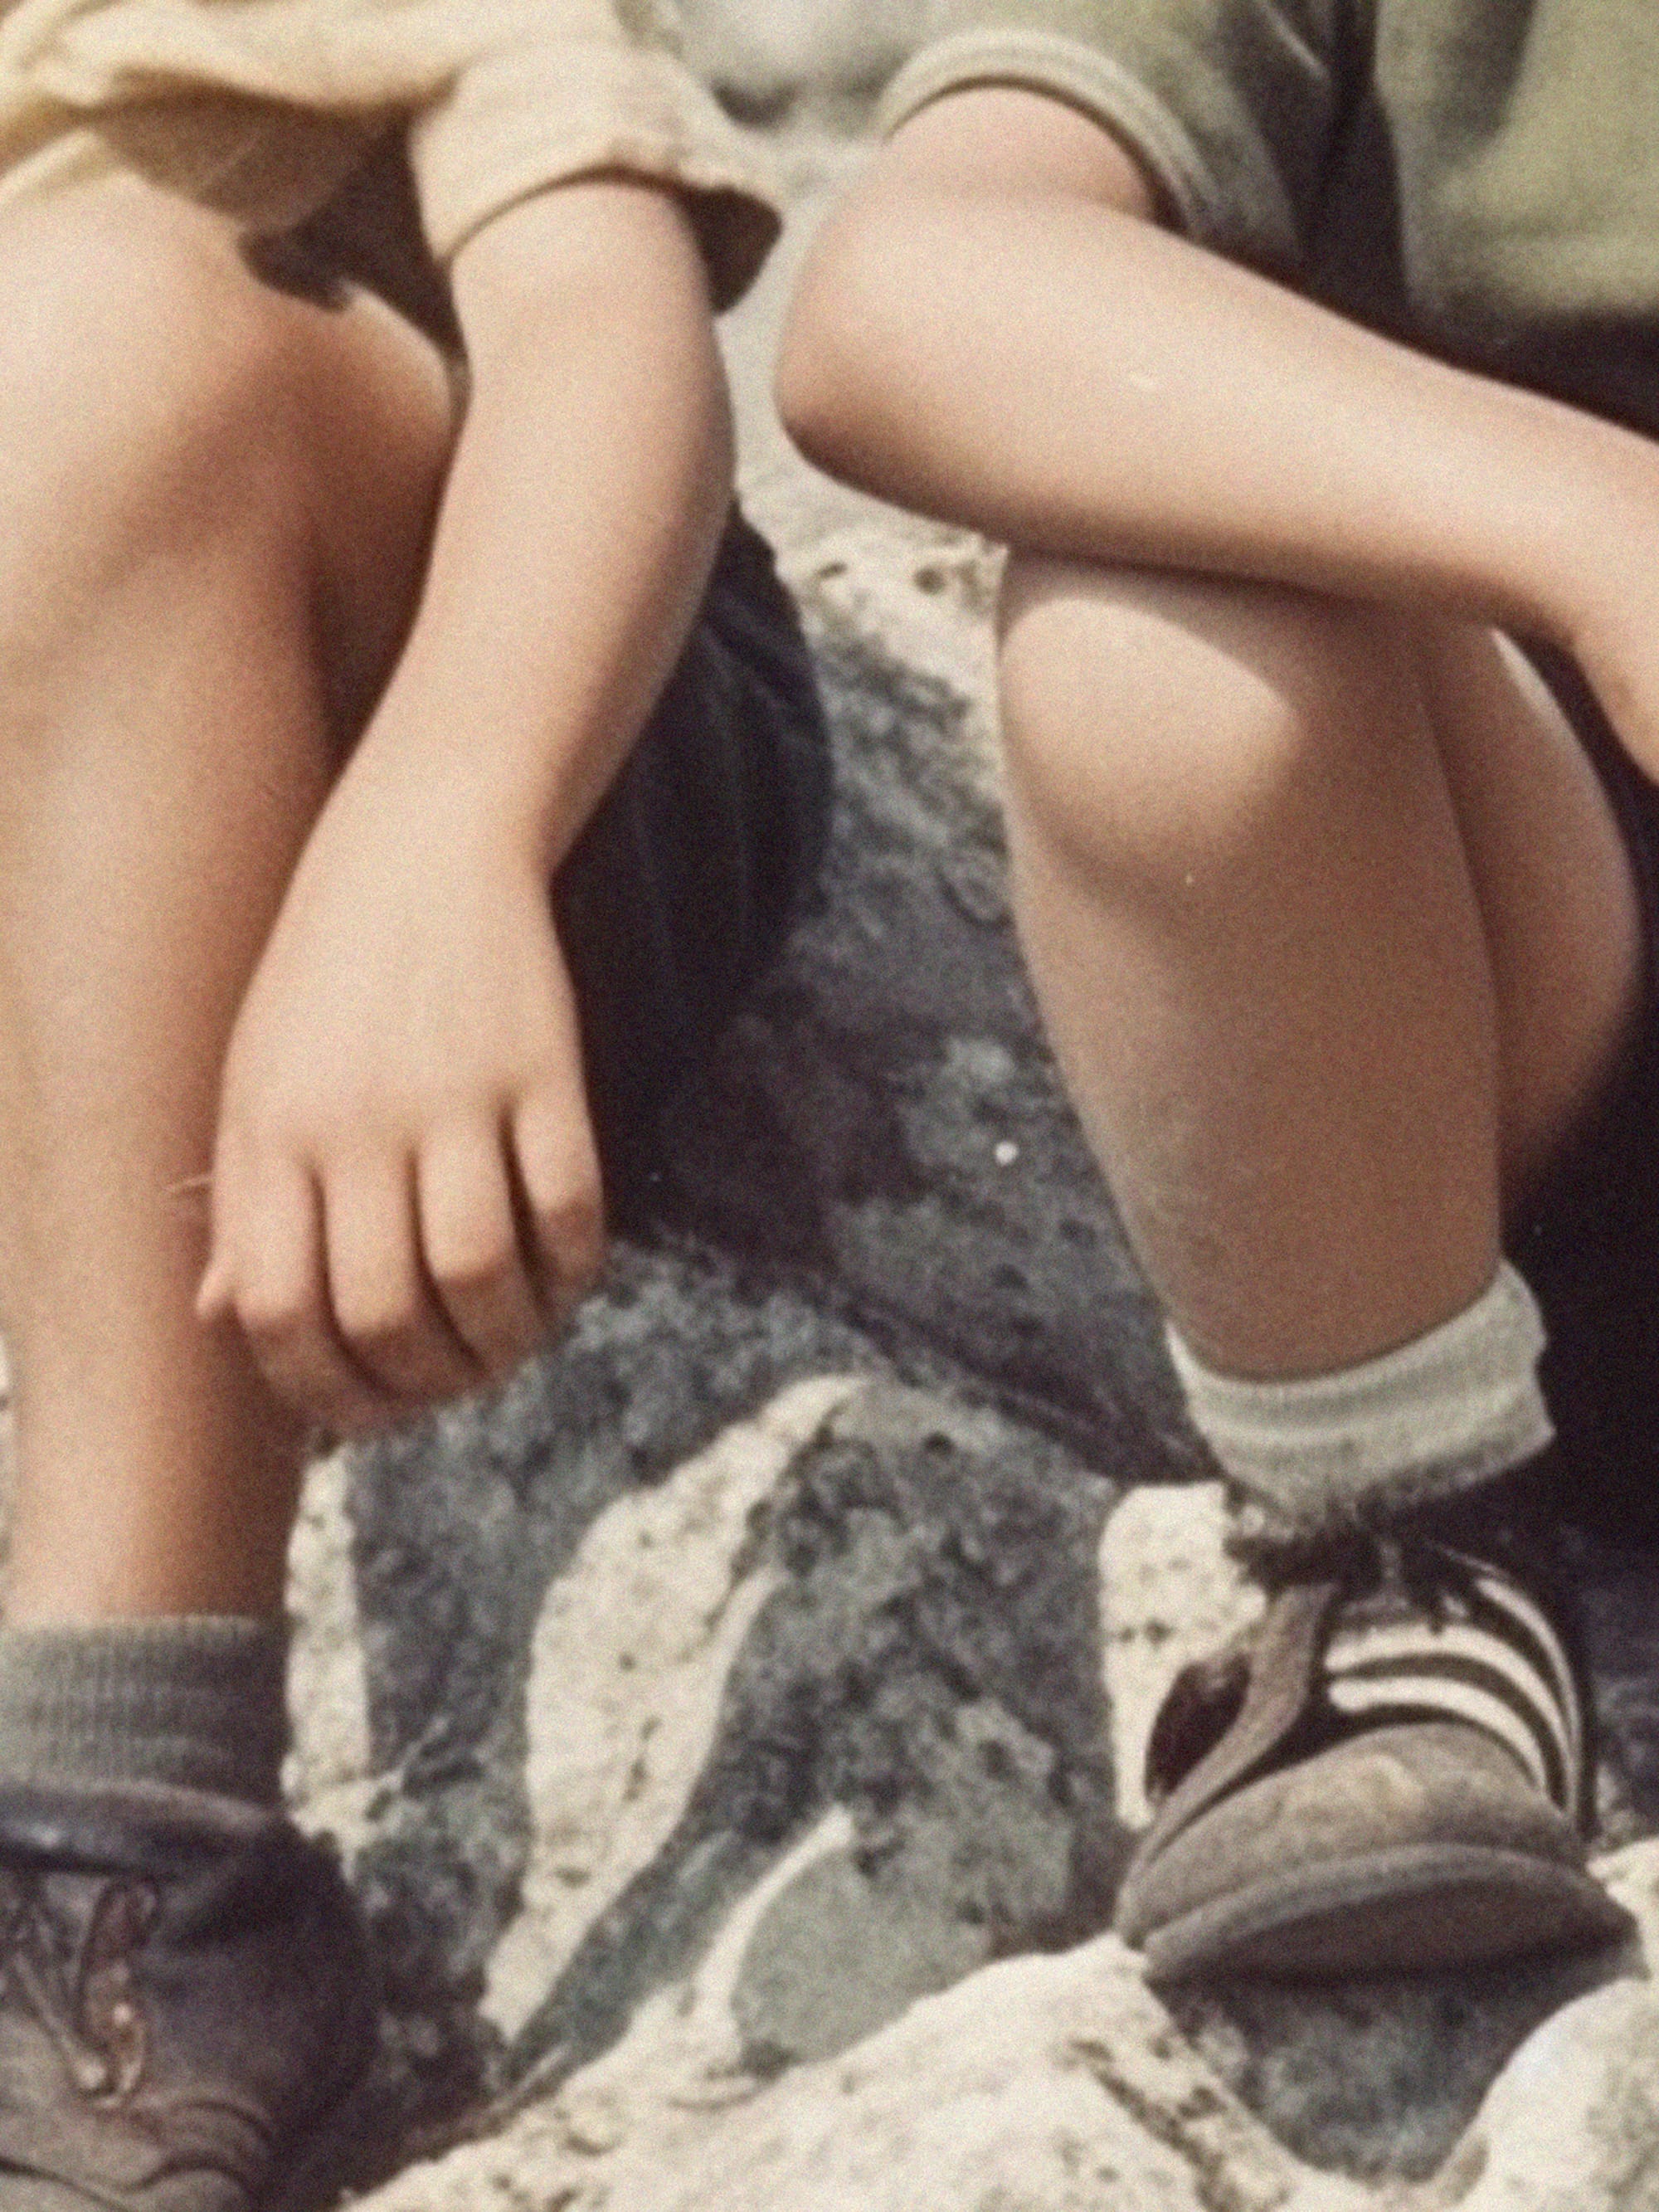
(1267, 852)
(1552, 882)
(216, 504)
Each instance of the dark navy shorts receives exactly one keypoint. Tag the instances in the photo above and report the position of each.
(684, 883)
(1588, 1242)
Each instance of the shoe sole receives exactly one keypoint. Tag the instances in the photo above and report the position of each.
(1412, 1909)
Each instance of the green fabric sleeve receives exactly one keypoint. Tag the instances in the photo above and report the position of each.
(1231, 105)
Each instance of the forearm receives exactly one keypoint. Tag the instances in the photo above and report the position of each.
(589, 486)
(1067, 378)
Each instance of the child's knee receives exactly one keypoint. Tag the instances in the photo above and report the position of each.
(147, 387)
(1155, 724)
(159, 405)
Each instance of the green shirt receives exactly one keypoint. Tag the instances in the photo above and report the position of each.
(1479, 177)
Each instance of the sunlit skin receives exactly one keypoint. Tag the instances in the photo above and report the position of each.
(304, 692)
(1329, 918)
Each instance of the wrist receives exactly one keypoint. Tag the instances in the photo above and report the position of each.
(436, 806)
(1597, 501)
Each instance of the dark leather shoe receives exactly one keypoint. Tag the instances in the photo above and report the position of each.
(187, 2014)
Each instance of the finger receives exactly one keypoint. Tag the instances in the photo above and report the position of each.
(470, 1240)
(561, 1196)
(269, 1274)
(377, 1289)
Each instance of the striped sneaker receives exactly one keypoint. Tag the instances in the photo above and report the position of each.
(1390, 1773)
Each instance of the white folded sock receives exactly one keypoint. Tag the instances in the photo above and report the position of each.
(1434, 1417)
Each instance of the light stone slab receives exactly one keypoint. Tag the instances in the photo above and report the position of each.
(329, 1762)
(1168, 1595)
(628, 1664)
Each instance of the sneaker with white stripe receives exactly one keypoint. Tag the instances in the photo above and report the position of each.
(1481, 1651)
(1390, 1773)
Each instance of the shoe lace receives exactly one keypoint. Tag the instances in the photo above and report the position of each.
(82, 1997)
(1361, 1567)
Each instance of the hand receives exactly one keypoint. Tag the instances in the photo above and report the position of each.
(406, 1193)
(1604, 608)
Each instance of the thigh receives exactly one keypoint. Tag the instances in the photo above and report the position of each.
(1554, 868)
(702, 851)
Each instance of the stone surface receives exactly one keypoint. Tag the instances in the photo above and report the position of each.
(330, 1765)
(872, 1819)
(1621, 1600)
(1060, 2084)
(628, 1665)
(927, 1660)
(461, 1527)
(1573, 2121)
(1042, 2082)
(830, 54)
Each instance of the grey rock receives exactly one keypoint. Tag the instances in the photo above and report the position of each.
(984, 1863)
(459, 1526)
(628, 1667)
(1621, 1604)
(1038, 2085)
(887, 1124)
(1379, 2080)
(1572, 2124)
(899, 1946)
(929, 1661)
(765, 59)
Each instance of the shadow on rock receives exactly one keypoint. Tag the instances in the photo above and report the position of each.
(1380, 2080)
(1620, 1596)
(886, 1123)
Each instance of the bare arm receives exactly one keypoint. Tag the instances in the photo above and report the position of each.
(406, 1187)
(992, 332)
(589, 486)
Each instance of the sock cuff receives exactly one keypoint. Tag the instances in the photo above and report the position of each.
(1448, 1410)
(197, 1702)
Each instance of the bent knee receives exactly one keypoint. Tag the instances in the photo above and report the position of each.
(145, 369)
(1152, 717)
(155, 384)
(155, 397)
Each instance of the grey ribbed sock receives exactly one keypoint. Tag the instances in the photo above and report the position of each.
(195, 1702)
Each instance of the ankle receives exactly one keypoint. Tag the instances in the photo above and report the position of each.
(1320, 1458)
